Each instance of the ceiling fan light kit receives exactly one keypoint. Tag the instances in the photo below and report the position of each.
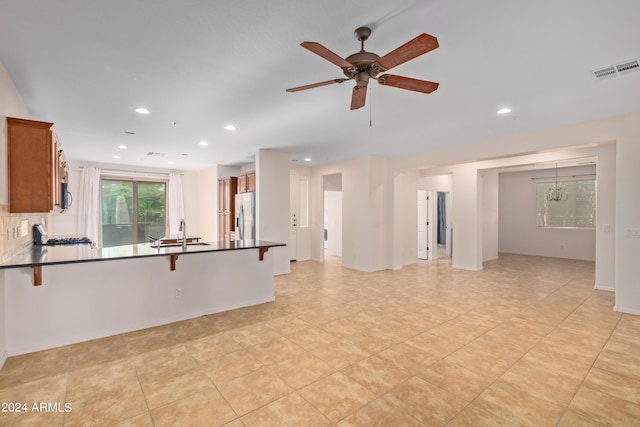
(363, 66)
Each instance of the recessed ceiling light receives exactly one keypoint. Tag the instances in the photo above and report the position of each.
(171, 162)
(307, 159)
(122, 147)
(203, 143)
(142, 110)
(230, 127)
(504, 110)
(116, 157)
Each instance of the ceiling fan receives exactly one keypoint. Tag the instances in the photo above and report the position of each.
(363, 65)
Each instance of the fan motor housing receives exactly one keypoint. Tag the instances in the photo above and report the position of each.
(363, 62)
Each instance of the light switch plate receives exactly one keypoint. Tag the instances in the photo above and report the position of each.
(24, 227)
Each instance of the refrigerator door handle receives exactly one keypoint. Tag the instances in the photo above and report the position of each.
(241, 219)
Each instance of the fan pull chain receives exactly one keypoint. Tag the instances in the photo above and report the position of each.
(370, 104)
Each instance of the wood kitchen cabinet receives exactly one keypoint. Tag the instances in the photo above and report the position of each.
(247, 183)
(227, 189)
(35, 171)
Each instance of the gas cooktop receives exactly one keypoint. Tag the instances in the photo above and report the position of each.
(67, 241)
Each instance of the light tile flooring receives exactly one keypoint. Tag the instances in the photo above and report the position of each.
(526, 341)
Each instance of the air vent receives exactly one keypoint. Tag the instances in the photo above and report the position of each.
(627, 67)
(151, 153)
(614, 70)
(605, 73)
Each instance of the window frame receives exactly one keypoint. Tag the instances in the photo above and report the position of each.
(136, 180)
(567, 180)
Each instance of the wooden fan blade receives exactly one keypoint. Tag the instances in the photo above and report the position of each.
(412, 49)
(408, 83)
(311, 86)
(322, 51)
(358, 97)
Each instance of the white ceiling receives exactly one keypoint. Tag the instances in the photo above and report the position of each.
(87, 65)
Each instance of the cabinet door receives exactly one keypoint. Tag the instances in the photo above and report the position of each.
(33, 170)
(242, 184)
(251, 182)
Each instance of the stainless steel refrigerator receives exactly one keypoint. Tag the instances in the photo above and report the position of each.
(246, 216)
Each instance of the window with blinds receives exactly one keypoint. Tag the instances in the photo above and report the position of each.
(576, 207)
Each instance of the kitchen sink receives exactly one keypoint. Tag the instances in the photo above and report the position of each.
(169, 245)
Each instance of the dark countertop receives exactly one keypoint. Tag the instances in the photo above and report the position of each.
(67, 254)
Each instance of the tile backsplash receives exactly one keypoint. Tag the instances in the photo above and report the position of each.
(11, 226)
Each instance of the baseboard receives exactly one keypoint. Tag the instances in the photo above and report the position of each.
(626, 310)
(464, 267)
(604, 288)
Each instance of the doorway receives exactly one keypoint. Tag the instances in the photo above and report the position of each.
(444, 230)
(424, 227)
(332, 198)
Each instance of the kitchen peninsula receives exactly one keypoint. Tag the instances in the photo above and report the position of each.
(83, 293)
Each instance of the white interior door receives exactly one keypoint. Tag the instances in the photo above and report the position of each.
(333, 200)
(423, 224)
(293, 217)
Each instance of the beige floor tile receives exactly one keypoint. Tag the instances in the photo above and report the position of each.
(254, 334)
(253, 390)
(107, 406)
(288, 325)
(226, 367)
(142, 420)
(371, 340)
(20, 401)
(206, 408)
(212, 346)
(472, 416)
(275, 351)
(102, 379)
(512, 404)
(543, 380)
(340, 354)
(291, 410)
(311, 338)
(614, 385)
(302, 370)
(435, 345)
(426, 402)
(337, 396)
(456, 379)
(379, 413)
(161, 362)
(409, 359)
(605, 409)
(376, 374)
(573, 419)
(169, 387)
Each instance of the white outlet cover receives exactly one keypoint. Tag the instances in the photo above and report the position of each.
(24, 227)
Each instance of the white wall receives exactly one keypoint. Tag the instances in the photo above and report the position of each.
(207, 203)
(518, 230)
(490, 216)
(11, 105)
(272, 204)
(333, 206)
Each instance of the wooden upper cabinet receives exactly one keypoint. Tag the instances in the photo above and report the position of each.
(34, 166)
(251, 182)
(247, 183)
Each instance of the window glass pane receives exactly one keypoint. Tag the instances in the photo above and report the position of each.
(151, 210)
(576, 206)
(117, 213)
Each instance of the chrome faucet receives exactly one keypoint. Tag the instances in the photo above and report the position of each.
(183, 228)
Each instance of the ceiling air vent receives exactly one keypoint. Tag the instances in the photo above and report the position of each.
(151, 153)
(627, 67)
(614, 70)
